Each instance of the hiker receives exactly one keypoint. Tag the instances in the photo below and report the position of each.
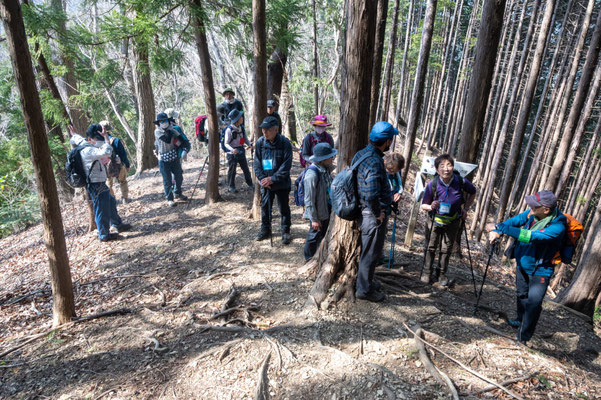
(168, 141)
(234, 142)
(94, 157)
(319, 135)
(184, 148)
(271, 112)
(230, 103)
(539, 234)
(272, 163)
(447, 198)
(375, 197)
(316, 183)
(394, 163)
(174, 115)
(123, 163)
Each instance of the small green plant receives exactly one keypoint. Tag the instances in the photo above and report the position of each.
(52, 339)
(597, 314)
(581, 396)
(581, 200)
(544, 381)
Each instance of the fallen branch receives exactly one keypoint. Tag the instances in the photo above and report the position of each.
(231, 310)
(468, 369)
(505, 383)
(262, 390)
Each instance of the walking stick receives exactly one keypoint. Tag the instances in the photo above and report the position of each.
(469, 254)
(427, 244)
(492, 250)
(197, 180)
(392, 243)
(270, 204)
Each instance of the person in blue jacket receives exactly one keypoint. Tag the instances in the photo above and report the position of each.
(539, 234)
(119, 150)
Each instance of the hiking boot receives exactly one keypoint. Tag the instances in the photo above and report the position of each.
(232, 189)
(171, 203)
(376, 285)
(374, 296)
(425, 278)
(123, 227)
(181, 197)
(286, 238)
(125, 200)
(520, 340)
(110, 237)
(443, 280)
(263, 235)
(514, 323)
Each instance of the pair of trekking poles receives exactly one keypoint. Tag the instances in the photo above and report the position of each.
(477, 293)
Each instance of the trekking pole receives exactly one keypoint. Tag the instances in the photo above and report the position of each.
(492, 250)
(197, 180)
(469, 254)
(392, 243)
(427, 244)
(270, 204)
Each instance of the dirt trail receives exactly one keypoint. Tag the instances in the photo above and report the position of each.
(175, 270)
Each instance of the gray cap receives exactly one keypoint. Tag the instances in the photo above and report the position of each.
(545, 198)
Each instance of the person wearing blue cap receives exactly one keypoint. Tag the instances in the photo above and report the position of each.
(539, 235)
(234, 141)
(376, 197)
(272, 163)
(316, 183)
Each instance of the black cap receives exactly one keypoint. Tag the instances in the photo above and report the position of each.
(268, 122)
(271, 103)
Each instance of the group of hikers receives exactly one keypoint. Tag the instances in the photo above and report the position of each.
(538, 233)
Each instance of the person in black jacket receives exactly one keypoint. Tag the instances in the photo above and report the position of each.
(271, 112)
(230, 103)
(272, 163)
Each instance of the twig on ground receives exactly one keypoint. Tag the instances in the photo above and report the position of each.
(262, 390)
(163, 297)
(496, 332)
(231, 310)
(505, 383)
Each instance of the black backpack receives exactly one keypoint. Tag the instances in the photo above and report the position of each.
(344, 193)
(74, 169)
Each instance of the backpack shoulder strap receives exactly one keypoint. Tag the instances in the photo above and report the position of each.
(434, 186)
(314, 168)
(359, 161)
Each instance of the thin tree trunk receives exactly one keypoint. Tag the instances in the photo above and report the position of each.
(315, 62)
(275, 74)
(402, 88)
(418, 88)
(584, 168)
(386, 93)
(63, 306)
(377, 59)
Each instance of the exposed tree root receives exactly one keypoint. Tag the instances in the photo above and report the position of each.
(262, 390)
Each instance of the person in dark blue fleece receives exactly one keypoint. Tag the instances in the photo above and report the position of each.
(539, 235)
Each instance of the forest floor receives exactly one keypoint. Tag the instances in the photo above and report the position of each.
(175, 270)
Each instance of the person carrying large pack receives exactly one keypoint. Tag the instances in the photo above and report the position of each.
(319, 135)
(447, 198)
(540, 234)
(168, 143)
(233, 143)
(122, 164)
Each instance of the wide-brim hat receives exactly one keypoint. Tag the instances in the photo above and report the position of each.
(545, 198)
(322, 151)
(226, 90)
(320, 120)
(162, 117)
(235, 115)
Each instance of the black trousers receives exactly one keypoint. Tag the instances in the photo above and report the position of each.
(373, 235)
(530, 290)
(448, 235)
(232, 161)
(267, 197)
(314, 238)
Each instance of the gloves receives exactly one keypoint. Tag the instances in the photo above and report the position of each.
(184, 155)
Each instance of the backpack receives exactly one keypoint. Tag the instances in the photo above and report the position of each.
(573, 231)
(344, 193)
(434, 185)
(299, 186)
(313, 140)
(234, 136)
(74, 170)
(113, 168)
(201, 133)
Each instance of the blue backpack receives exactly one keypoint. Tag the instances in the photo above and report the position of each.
(299, 186)
(344, 193)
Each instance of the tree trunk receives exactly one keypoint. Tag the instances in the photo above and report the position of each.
(584, 168)
(315, 62)
(260, 95)
(376, 71)
(386, 93)
(584, 84)
(339, 251)
(198, 18)
(402, 88)
(482, 73)
(275, 74)
(144, 149)
(54, 235)
(586, 283)
(418, 87)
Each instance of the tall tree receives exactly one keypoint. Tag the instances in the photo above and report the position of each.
(339, 252)
(384, 104)
(276, 68)
(198, 18)
(315, 61)
(54, 235)
(146, 116)
(377, 59)
(260, 77)
(418, 87)
(482, 73)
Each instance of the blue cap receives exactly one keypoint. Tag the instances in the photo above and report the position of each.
(382, 131)
(268, 122)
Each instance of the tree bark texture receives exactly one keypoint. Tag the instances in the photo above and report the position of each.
(376, 71)
(275, 74)
(386, 93)
(212, 188)
(482, 73)
(54, 236)
(144, 151)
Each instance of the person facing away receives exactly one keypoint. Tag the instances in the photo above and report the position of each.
(319, 135)
(538, 235)
(272, 163)
(234, 142)
(167, 142)
(271, 112)
(316, 183)
(97, 149)
(375, 197)
(124, 164)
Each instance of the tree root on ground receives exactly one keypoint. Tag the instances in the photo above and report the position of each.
(262, 390)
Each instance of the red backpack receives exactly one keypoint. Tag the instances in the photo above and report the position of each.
(201, 133)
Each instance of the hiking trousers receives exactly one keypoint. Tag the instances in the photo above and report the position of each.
(105, 208)
(171, 171)
(530, 291)
(267, 197)
(122, 179)
(448, 235)
(314, 238)
(373, 235)
(232, 161)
